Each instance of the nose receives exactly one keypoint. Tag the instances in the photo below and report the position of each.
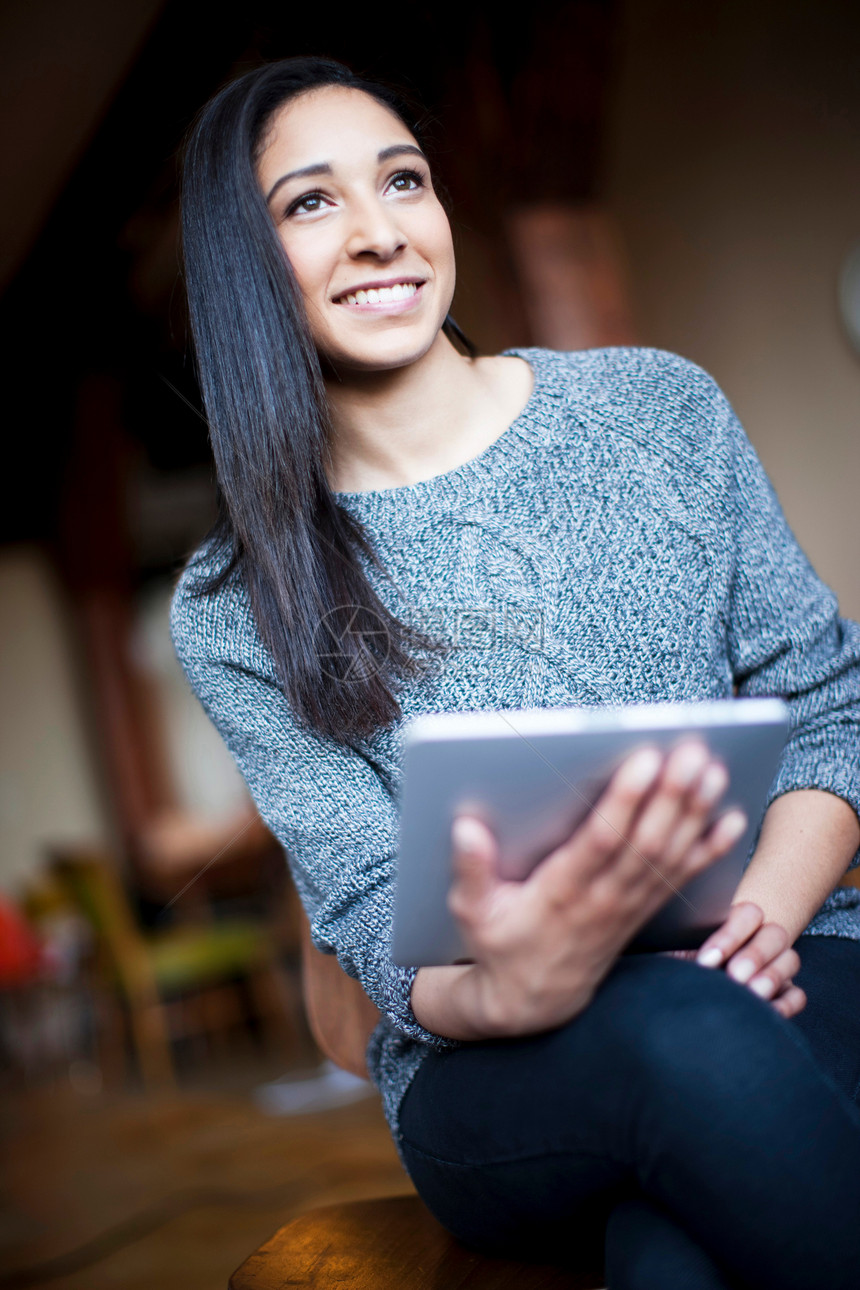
(374, 231)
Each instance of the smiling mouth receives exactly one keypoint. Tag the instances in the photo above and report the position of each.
(380, 295)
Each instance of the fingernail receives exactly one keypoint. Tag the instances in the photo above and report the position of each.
(466, 834)
(714, 783)
(742, 970)
(691, 766)
(737, 825)
(763, 986)
(644, 768)
(710, 958)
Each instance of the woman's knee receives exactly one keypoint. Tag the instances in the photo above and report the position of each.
(673, 1021)
(657, 1027)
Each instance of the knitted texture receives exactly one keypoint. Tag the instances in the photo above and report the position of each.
(618, 543)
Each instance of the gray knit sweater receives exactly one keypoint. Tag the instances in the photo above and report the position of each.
(620, 542)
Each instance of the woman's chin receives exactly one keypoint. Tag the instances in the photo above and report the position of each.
(384, 356)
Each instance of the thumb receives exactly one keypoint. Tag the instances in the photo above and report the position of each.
(472, 863)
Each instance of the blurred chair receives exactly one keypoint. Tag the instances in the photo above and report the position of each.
(339, 1013)
(20, 951)
(22, 979)
(199, 963)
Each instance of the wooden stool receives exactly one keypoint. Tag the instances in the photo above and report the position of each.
(391, 1244)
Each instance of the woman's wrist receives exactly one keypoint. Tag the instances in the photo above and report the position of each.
(807, 840)
(462, 1002)
(433, 1000)
(446, 1001)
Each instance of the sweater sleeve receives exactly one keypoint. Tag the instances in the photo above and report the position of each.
(328, 808)
(785, 636)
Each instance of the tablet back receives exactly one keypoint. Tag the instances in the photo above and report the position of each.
(532, 776)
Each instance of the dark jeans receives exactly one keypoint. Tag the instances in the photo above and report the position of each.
(677, 1133)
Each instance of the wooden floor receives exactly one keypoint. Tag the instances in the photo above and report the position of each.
(175, 1190)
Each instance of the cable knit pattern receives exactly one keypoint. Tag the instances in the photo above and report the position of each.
(618, 543)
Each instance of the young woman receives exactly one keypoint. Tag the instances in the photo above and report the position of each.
(406, 527)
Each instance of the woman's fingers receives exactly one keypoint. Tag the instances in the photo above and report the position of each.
(672, 838)
(605, 831)
(473, 867)
(718, 839)
(777, 974)
(743, 921)
(702, 797)
(758, 953)
(790, 1001)
(672, 820)
(648, 830)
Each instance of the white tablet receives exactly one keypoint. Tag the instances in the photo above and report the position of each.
(532, 776)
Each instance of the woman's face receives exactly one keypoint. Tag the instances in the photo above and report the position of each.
(350, 195)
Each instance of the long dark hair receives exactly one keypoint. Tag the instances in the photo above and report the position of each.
(337, 649)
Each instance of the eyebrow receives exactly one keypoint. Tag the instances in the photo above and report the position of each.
(323, 167)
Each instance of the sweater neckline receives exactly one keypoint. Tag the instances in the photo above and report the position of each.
(465, 481)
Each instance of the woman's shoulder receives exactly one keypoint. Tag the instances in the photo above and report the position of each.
(620, 370)
(652, 396)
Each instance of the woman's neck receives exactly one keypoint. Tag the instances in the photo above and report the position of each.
(407, 424)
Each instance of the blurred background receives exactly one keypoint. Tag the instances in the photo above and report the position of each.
(645, 171)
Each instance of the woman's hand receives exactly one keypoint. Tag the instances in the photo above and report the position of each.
(756, 954)
(539, 948)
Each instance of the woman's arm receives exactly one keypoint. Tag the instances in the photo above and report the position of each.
(325, 803)
(784, 637)
(808, 838)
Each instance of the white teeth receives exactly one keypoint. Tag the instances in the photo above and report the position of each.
(381, 295)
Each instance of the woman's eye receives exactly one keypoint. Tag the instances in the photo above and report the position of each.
(407, 180)
(307, 205)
